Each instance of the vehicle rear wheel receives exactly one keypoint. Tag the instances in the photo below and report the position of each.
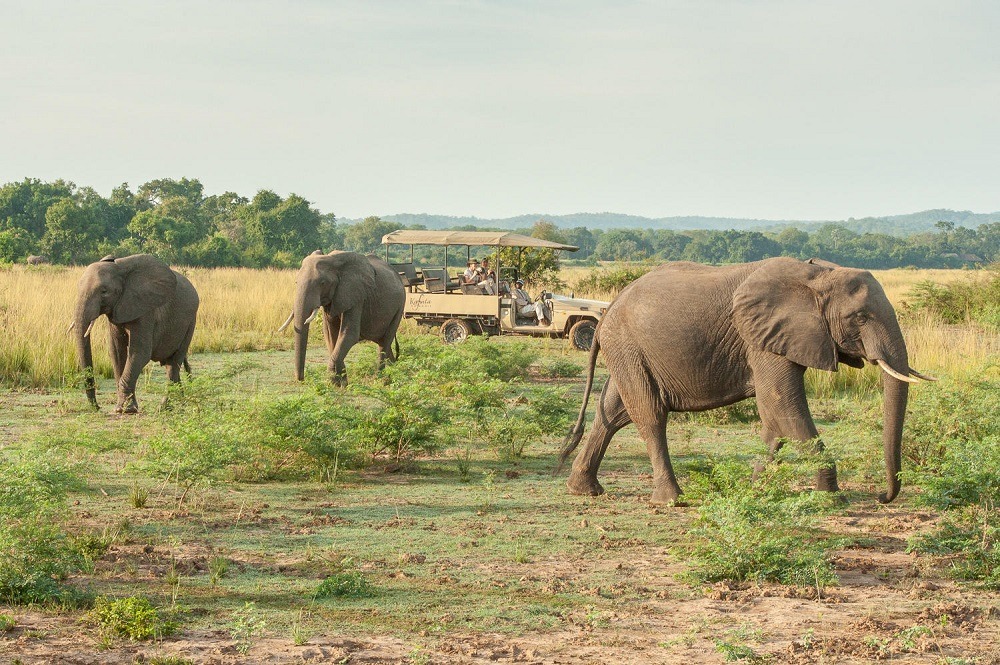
(581, 335)
(454, 331)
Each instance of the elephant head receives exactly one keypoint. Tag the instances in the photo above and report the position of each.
(123, 289)
(818, 314)
(338, 282)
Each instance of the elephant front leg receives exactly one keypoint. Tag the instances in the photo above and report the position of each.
(350, 334)
(784, 413)
(611, 416)
(139, 353)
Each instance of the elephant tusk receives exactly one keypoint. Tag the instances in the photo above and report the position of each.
(71, 326)
(311, 317)
(925, 377)
(287, 321)
(86, 333)
(893, 373)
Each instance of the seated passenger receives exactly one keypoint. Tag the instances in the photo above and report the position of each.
(471, 275)
(488, 278)
(525, 306)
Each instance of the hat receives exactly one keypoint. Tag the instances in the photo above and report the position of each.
(471, 261)
(520, 282)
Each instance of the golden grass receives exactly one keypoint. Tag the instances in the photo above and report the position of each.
(241, 309)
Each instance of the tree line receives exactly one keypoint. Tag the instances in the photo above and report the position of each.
(175, 220)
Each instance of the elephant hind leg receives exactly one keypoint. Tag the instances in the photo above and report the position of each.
(611, 416)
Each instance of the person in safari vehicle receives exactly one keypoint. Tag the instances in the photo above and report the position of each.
(526, 307)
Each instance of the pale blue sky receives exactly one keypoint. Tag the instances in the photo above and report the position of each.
(765, 109)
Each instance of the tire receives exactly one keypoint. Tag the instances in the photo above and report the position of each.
(581, 335)
(454, 331)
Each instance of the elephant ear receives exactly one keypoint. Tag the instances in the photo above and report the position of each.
(147, 284)
(355, 279)
(777, 310)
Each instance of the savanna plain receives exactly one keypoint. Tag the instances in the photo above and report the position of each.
(413, 516)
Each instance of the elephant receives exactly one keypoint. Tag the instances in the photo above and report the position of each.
(151, 310)
(362, 298)
(37, 260)
(690, 337)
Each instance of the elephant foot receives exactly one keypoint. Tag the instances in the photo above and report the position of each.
(339, 380)
(826, 480)
(580, 483)
(128, 406)
(666, 496)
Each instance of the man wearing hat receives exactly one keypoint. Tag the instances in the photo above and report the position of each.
(525, 307)
(471, 275)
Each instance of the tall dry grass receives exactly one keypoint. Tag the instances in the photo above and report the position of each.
(241, 309)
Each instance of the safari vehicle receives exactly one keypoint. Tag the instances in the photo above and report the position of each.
(436, 298)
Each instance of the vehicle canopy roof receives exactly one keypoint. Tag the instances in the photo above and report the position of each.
(474, 238)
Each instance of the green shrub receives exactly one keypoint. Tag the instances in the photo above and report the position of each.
(7, 622)
(953, 441)
(610, 280)
(36, 554)
(972, 532)
(956, 463)
(760, 530)
(346, 584)
(134, 618)
(246, 624)
(560, 368)
(976, 298)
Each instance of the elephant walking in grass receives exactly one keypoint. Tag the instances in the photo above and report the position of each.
(689, 337)
(362, 299)
(151, 311)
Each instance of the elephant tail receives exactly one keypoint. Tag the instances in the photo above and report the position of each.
(187, 366)
(395, 341)
(574, 436)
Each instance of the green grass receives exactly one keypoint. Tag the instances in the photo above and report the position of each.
(258, 491)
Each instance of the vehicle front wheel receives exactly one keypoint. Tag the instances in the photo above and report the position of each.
(454, 331)
(581, 335)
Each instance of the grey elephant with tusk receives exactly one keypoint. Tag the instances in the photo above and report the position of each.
(151, 312)
(689, 337)
(361, 298)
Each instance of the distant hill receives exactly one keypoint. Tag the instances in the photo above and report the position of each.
(898, 225)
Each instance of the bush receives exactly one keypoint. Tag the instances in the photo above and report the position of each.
(957, 465)
(954, 442)
(976, 298)
(346, 584)
(560, 368)
(36, 554)
(758, 531)
(610, 281)
(134, 618)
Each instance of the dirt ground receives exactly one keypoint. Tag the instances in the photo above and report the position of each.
(890, 606)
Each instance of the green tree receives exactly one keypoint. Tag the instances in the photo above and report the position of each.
(71, 232)
(23, 204)
(365, 237)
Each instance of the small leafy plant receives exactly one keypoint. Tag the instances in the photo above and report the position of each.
(346, 584)
(133, 617)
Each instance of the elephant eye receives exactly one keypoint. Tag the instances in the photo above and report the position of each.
(861, 318)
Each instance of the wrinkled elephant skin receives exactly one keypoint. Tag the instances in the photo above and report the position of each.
(689, 337)
(151, 312)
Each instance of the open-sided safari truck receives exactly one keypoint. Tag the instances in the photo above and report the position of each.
(435, 297)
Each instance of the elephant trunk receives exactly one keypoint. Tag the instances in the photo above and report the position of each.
(892, 358)
(83, 321)
(303, 314)
(894, 398)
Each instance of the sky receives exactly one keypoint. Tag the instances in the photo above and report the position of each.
(735, 108)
